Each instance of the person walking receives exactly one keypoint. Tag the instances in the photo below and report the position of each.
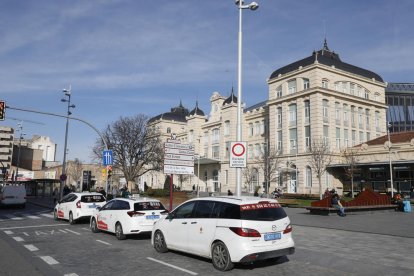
(336, 203)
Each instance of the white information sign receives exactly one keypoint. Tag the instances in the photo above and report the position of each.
(238, 155)
(178, 158)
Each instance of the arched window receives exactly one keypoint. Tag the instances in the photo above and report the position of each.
(168, 130)
(227, 128)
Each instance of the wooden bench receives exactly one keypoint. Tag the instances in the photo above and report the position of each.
(350, 209)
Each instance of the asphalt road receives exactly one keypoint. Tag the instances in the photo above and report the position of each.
(32, 243)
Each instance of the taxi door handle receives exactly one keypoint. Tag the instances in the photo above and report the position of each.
(183, 222)
(194, 222)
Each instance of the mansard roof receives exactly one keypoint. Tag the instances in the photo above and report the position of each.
(176, 114)
(327, 57)
(197, 111)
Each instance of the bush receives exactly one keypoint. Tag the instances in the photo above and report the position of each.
(157, 192)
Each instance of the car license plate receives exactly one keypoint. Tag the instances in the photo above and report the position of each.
(272, 236)
(152, 217)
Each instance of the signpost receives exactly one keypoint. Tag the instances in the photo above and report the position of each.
(178, 159)
(238, 156)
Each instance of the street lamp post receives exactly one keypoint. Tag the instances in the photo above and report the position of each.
(252, 6)
(18, 153)
(296, 167)
(389, 156)
(63, 176)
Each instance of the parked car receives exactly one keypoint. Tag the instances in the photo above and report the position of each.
(125, 216)
(75, 206)
(226, 230)
(13, 195)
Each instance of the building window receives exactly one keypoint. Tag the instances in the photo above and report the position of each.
(360, 114)
(262, 127)
(305, 84)
(250, 151)
(346, 138)
(377, 120)
(293, 137)
(279, 91)
(308, 177)
(215, 152)
(215, 136)
(191, 136)
(338, 113)
(367, 118)
(368, 136)
(307, 112)
(250, 129)
(325, 83)
(325, 111)
(353, 138)
(257, 150)
(257, 128)
(361, 137)
(338, 138)
(346, 114)
(168, 130)
(205, 138)
(307, 137)
(292, 115)
(376, 97)
(279, 141)
(227, 128)
(366, 95)
(227, 149)
(326, 134)
(279, 117)
(353, 115)
(292, 86)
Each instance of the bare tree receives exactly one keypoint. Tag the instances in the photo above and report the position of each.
(249, 174)
(75, 169)
(351, 158)
(320, 156)
(183, 178)
(268, 161)
(137, 148)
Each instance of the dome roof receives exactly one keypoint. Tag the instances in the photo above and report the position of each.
(197, 111)
(176, 114)
(231, 99)
(329, 58)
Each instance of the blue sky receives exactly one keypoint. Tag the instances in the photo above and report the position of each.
(125, 57)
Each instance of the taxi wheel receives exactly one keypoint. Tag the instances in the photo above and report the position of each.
(94, 226)
(119, 232)
(55, 215)
(220, 257)
(71, 220)
(159, 242)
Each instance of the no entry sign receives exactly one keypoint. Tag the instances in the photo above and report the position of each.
(238, 157)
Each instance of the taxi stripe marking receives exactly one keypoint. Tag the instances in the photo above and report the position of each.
(173, 266)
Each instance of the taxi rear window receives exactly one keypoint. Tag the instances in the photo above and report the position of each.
(92, 198)
(148, 206)
(265, 211)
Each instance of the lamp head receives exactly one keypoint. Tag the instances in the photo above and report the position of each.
(237, 2)
(72, 106)
(63, 100)
(66, 91)
(253, 6)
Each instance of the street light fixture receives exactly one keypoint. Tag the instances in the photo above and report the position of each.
(252, 6)
(389, 156)
(63, 176)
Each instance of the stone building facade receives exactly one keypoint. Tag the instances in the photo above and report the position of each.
(318, 97)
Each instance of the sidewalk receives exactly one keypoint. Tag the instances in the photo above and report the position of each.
(377, 222)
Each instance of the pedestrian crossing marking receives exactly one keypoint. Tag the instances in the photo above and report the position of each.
(47, 215)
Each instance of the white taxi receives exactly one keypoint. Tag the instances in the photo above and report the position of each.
(226, 230)
(125, 216)
(78, 205)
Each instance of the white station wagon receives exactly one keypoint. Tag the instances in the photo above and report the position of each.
(126, 216)
(226, 230)
(78, 205)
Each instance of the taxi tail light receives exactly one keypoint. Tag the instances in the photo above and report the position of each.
(288, 229)
(245, 232)
(78, 204)
(135, 214)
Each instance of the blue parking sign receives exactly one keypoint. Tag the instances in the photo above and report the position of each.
(107, 157)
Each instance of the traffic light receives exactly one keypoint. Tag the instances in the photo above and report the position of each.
(2, 110)
(103, 172)
(109, 169)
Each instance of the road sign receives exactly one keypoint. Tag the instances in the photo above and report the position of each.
(107, 158)
(238, 156)
(178, 158)
(171, 169)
